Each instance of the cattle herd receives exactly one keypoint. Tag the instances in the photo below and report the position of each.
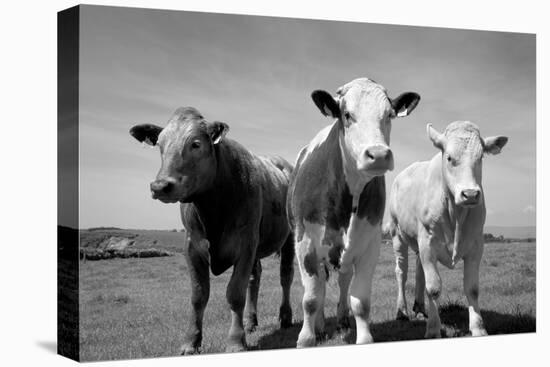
(326, 210)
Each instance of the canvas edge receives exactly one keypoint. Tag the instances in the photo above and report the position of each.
(68, 45)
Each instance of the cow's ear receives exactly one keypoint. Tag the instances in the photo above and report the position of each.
(146, 133)
(494, 144)
(326, 103)
(217, 131)
(405, 103)
(438, 139)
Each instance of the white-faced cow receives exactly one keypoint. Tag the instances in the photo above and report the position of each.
(437, 208)
(336, 200)
(233, 210)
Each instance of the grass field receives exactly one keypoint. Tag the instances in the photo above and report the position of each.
(137, 308)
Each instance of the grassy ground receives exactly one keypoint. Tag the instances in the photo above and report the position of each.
(136, 308)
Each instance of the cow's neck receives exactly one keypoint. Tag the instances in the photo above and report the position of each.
(211, 202)
(456, 217)
(449, 215)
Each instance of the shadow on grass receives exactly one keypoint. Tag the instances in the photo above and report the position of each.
(456, 316)
(286, 338)
(454, 319)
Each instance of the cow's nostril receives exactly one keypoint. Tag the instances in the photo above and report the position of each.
(470, 194)
(378, 153)
(162, 186)
(167, 187)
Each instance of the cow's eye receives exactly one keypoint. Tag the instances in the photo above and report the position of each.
(347, 115)
(195, 145)
(451, 160)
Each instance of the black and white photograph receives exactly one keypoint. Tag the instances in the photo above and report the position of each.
(237, 183)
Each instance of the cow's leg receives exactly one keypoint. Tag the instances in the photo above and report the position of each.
(236, 290)
(471, 288)
(313, 281)
(197, 258)
(433, 288)
(400, 250)
(287, 276)
(342, 313)
(419, 308)
(360, 291)
(320, 317)
(252, 297)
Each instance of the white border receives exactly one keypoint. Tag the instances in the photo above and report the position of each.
(28, 269)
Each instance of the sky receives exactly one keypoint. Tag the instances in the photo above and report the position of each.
(257, 73)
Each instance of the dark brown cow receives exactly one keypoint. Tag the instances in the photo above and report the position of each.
(233, 209)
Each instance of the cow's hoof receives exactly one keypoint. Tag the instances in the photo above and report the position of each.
(251, 323)
(188, 350)
(305, 341)
(419, 310)
(420, 316)
(236, 342)
(235, 348)
(343, 324)
(366, 338)
(285, 317)
(401, 316)
(479, 332)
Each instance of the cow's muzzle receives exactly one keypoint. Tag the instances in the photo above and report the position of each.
(470, 197)
(162, 189)
(377, 159)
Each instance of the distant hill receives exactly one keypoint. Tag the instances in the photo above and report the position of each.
(174, 236)
(169, 240)
(103, 228)
(512, 232)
